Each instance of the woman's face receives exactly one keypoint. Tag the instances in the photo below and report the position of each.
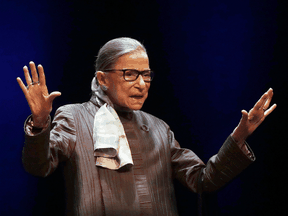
(128, 95)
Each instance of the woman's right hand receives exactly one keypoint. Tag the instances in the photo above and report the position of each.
(36, 93)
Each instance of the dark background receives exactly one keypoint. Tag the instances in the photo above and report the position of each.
(212, 59)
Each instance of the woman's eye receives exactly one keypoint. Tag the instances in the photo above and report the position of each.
(131, 73)
(146, 74)
(128, 73)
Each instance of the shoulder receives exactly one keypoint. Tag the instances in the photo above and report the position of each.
(67, 111)
(65, 108)
(77, 111)
(70, 107)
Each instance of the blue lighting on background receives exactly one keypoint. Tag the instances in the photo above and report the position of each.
(212, 59)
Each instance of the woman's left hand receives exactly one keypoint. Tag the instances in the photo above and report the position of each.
(250, 121)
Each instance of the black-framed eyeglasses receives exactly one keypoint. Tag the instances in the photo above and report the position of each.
(132, 74)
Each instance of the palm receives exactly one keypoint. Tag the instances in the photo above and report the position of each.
(255, 118)
(36, 93)
(250, 121)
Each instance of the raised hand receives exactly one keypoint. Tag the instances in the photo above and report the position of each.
(36, 93)
(250, 121)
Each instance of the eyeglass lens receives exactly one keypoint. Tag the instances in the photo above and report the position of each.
(131, 75)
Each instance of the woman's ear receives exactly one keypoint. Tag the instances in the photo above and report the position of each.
(102, 80)
(101, 77)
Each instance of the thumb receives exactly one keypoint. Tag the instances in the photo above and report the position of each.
(53, 95)
(244, 118)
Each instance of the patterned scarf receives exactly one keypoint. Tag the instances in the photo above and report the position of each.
(111, 147)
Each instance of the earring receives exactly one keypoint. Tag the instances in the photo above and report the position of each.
(104, 88)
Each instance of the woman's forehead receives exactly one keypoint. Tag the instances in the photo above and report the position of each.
(138, 59)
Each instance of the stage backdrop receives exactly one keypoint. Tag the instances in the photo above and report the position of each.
(211, 58)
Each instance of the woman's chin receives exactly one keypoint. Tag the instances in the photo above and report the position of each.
(129, 107)
(137, 106)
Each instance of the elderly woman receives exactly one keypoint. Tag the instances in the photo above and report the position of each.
(116, 159)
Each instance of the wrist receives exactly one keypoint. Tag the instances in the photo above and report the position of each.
(39, 122)
(238, 135)
(238, 140)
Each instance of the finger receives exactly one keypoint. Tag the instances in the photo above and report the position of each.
(244, 118)
(270, 110)
(41, 75)
(270, 95)
(33, 71)
(27, 75)
(53, 95)
(22, 86)
(260, 103)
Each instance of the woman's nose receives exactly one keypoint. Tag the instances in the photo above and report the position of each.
(141, 82)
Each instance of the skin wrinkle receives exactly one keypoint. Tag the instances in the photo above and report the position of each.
(122, 93)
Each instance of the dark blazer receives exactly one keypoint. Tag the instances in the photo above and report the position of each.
(146, 188)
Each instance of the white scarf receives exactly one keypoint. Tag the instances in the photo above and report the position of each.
(111, 146)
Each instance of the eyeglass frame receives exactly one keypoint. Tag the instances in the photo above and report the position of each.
(139, 73)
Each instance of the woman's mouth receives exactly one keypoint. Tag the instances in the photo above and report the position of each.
(137, 96)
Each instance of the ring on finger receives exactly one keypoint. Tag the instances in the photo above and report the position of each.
(33, 83)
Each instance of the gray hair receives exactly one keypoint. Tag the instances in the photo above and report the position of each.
(113, 49)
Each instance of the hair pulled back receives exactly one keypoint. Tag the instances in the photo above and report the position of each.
(114, 49)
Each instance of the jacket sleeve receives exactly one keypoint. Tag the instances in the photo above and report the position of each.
(190, 170)
(44, 150)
